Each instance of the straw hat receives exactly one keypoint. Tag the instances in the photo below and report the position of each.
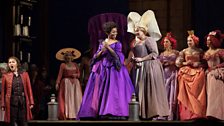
(71, 51)
(146, 21)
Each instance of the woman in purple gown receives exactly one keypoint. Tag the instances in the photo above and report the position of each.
(168, 58)
(109, 87)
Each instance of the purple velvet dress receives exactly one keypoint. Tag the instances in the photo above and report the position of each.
(109, 88)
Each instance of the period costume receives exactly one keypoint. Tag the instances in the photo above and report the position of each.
(215, 85)
(215, 77)
(170, 75)
(17, 96)
(168, 58)
(191, 80)
(148, 76)
(109, 88)
(70, 92)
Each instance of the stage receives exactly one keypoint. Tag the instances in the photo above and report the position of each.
(122, 123)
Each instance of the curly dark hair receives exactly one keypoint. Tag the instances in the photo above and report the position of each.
(108, 26)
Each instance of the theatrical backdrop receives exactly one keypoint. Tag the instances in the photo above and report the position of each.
(56, 24)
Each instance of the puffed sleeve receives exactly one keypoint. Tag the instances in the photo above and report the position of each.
(180, 59)
(152, 48)
(95, 59)
(119, 57)
(221, 55)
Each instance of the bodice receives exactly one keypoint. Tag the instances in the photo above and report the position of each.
(214, 59)
(140, 50)
(70, 71)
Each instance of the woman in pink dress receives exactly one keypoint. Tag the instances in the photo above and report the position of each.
(215, 75)
(68, 85)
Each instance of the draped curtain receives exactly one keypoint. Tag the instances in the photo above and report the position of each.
(96, 32)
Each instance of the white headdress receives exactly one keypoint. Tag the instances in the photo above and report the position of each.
(146, 21)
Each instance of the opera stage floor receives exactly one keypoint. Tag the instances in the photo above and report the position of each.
(122, 123)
